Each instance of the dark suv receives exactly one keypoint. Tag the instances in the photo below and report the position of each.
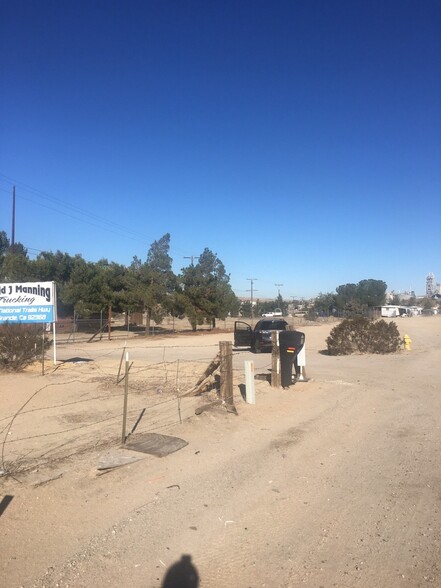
(259, 338)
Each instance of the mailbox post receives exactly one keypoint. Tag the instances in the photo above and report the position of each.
(291, 343)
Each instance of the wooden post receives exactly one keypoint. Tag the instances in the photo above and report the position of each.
(42, 351)
(120, 364)
(226, 371)
(250, 390)
(178, 395)
(109, 326)
(126, 394)
(275, 367)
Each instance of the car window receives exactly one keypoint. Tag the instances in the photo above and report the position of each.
(271, 326)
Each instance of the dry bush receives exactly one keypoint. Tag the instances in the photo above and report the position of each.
(362, 335)
(20, 345)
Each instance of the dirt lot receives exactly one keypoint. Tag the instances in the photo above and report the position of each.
(334, 482)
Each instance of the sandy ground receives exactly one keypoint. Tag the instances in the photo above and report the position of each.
(334, 482)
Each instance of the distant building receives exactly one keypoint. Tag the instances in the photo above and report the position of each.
(430, 285)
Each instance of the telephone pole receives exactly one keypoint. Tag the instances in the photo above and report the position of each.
(278, 291)
(13, 218)
(192, 257)
(252, 280)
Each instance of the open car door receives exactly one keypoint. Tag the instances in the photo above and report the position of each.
(243, 334)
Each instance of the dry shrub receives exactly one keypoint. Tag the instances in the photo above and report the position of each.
(20, 345)
(362, 335)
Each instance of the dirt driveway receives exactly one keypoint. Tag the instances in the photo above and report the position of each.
(334, 483)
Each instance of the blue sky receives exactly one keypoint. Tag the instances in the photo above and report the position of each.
(298, 140)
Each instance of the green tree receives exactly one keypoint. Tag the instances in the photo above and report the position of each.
(15, 267)
(371, 292)
(346, 293)
(245, 309)
(150, 285)
(325, 304)
(428, 303)
(208, 294)
(18, 249)
(14, 262)
(55, 267)
(88, 290)
(115, 279)
(4, 243)
(412, 301)
(193, 296)
(356, 299)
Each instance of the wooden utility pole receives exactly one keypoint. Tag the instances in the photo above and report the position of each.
(109, 326)
(226, 371)
(13, 218)
(252, 280)
(192, 257)
(275, 364)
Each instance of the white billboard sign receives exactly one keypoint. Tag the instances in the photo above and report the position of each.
(28, 302)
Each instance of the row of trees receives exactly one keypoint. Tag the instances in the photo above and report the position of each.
(351, 299)
(201, 292)
(259, 307)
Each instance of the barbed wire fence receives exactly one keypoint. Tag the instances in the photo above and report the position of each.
(69, 416)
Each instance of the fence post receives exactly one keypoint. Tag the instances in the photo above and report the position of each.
(178, 396)
(120, 364)
(250, 391)
(126, 394)
(226, 371)
(275, 364)
(109, 326)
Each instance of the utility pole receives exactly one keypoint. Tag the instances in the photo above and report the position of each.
(252, 280)
(278, 291)
(192, 257)
(13, 218)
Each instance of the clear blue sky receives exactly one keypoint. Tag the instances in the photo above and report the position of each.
(298, 140)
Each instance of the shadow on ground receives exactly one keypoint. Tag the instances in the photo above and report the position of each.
(182, 574)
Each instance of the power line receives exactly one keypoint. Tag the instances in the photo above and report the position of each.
(100, 222)
(70, 207)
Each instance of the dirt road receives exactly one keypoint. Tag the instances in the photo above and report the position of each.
(334, 483)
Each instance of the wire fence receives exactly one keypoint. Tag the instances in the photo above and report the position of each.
(79, 407)
(76, 330)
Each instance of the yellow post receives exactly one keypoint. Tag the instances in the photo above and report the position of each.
(407, 341)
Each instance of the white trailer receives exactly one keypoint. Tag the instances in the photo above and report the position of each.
(391, 311)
